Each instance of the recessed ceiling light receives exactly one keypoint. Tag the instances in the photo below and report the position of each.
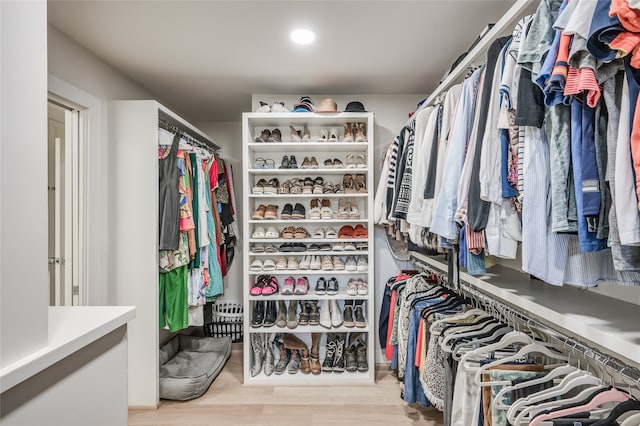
(303, 36)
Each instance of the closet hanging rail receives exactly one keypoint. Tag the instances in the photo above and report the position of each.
(575, 347)
(209, 146)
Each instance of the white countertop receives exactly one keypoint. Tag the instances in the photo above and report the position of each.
(70, 329)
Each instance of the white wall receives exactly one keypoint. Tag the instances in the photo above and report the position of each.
(24, 294)
(73, 64)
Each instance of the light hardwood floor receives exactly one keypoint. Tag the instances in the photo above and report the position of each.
(228, 402)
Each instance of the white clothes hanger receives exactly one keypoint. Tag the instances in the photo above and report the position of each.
(507, 340)
(632, 420)
(563, 370)
(536, 347)
(570, 381)
(531, 410)
(479, 313)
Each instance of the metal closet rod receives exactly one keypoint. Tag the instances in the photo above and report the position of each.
(175, 129)
(576, 347)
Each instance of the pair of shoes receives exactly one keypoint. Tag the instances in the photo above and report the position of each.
(357, 161)
(357, 287)
(292, 247)
(264, 313)
(290, 212)
(354, 314)
(289, 162)
(309, 356)
(333, 164)
(348, 231)
(328, 135)
(265, 285)
(269, 136)
(334, 354)
(309, 163)
(356, 264)
(355, 132)
(356, 353)
(330, 314)
(329, 286)
(265, 212)
(262, 354)
(271, 232)
(291, 286)
(264, 163)
(309, 313)
(300, 135)
(275, 107)
(293, 232)
(354, 184)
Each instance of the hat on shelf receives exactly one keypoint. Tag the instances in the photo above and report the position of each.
(355, 106)
(305, 105)
(327, 105)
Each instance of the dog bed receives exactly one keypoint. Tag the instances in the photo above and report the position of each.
(189, 364)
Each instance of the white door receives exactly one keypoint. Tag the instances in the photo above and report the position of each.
(62, 181)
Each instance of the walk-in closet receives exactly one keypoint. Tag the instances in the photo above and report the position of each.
(278, 212)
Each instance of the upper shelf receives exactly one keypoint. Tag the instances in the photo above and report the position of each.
(296, 119)
(601, 321)
(308, 147)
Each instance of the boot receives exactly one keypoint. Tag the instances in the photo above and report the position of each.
(294, 362)
(355, 341)
(292, 341)
(257, 350)
(327, 364)
(303, 319)
(292, 314)
(338, 363)
(281, 319)
(257, 318)
(361, 355)
(283, 358)
(314, 313)
(358, 313)
(315, 353)
(325, 315)
(270, 357)
(270, 313)
(348, 313)
(336, 314)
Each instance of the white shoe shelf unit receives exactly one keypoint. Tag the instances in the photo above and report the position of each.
(357, 159)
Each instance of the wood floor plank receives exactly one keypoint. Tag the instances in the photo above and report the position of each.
(229, 403)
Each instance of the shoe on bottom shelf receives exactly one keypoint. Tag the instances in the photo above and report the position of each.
(338, 363)
(269, 358)
(284, 355)
(294, 362)
(330, 352)
(257, 353)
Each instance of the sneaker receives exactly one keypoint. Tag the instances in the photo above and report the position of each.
(321, 286)
(362, 264)
(288, 286)
(338, 264)
(304, 263)
(363, 287)
(358, 312)
(350, 264)
(332, 286)
(302, 286)
(352, 287)
(315, 263)
(327, 263)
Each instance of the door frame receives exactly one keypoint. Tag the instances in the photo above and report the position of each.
(89, 125)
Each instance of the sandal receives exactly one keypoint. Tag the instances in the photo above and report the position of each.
(286, 211)
(314, 211)
(283, 188)
(351, 162)
(258, 213)
(293, 163)
(360, 184)
(337, 189)
(343, 206)
(348, 132)
(347, 181)
(308, 186)
(328, 188)
(288, 232)
(272, 187)
(337, 164)
(319, 234)
(271, 212)
(268, 265)
(295, 134)
(264, 136)
(296, 186)
(328, 163)
(259, 163)
(293, 263)
(330, 233)
(360, 162)
(354, 213)
(306, 163)
(258, 233)
(360, 232)
(272, 232)
(284, 164)
(318, 185)
(314, 163)
(301, 233)
(306, 135)
(258, 188)
(298, 212)
(269, 164)
(325, 210)
(360, 133)
(346, 232)
(276, 136)
(281, 264)
(256, 265)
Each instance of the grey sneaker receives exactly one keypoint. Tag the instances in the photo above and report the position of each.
(283, 358)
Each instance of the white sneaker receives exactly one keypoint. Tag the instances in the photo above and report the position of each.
(352, 287)
(305, 263)
(315, 263)
(338, 264)
(350, 264)
(363, 287)
(362, 264)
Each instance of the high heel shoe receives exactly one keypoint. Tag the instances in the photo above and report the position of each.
(361, 133)
(295, 134)
(348, 132)
(306, 135)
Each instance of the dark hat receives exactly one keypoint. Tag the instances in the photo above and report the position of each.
(355, 106)
(305, 105)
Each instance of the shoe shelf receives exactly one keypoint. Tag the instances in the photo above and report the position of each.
(307, 147)
(299, 171)
(357, 159)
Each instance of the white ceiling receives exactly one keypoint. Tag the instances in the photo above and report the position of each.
(206, 58)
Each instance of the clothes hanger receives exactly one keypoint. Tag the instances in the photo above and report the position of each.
(633, 420)
(477, 322)
(485, 327)
(536, 347)
(563, 370)
(489, 337)
(447, 304)
(507, 340)
(569, 382)
(479, 313)
(619, 410)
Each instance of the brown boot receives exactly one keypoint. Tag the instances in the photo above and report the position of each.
(292, 341)
(316, 368)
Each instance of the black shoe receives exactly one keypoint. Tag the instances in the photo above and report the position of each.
(338, 363)
(298, 212)
(321, 286)
(332, 286)
(359, 316)
(314, 247)
(257, 319)
(329, 358)
(286, 247)
(285, 163)
(361, 358)
(271, 312)
(351, 364)
(347, 315)
(299, 247)
(286, 211)
(293, 163)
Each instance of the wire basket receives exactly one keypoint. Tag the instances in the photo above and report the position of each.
(227, 320)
